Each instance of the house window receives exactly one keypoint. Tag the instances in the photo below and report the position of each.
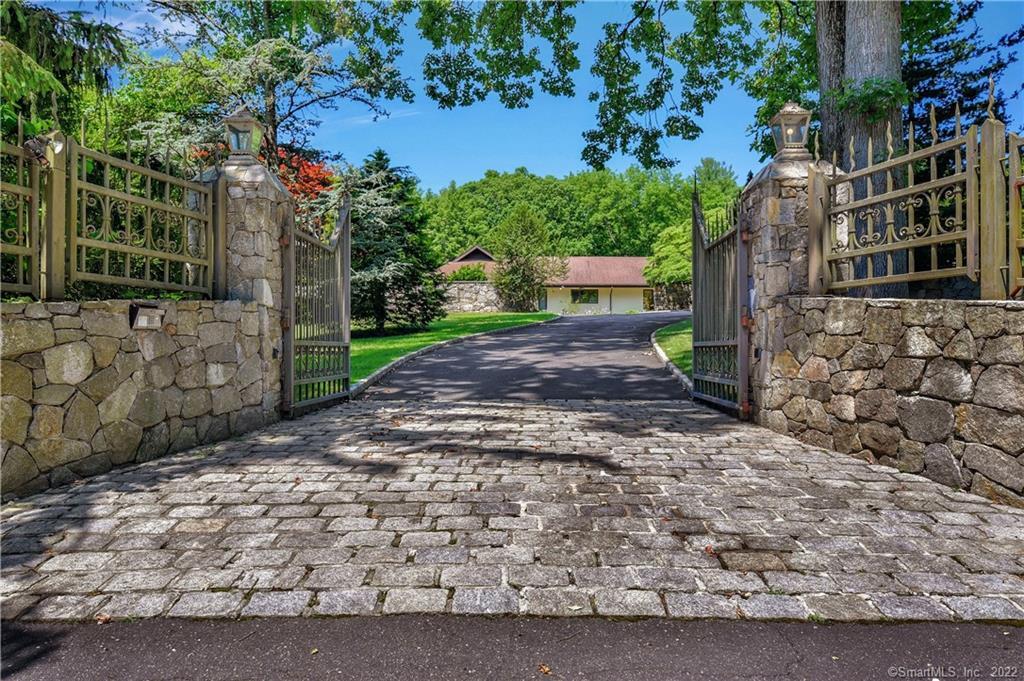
(584, 296)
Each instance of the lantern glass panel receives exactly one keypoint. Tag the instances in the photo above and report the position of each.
(239, 140)
(796, 133)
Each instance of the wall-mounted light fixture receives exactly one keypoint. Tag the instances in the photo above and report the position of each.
(39, 148)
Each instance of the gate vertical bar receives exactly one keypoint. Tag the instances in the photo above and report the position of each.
(742, 322)
(346, 292)
(288, 314)
(57, 203)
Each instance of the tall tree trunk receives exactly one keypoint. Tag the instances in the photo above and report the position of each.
(872, 50)
(830, 23)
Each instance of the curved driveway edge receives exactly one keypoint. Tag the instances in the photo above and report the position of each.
(670, 366)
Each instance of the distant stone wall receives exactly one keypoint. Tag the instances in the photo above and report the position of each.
(673, 296)
(473, 296)
(82, 391)
(934, 387)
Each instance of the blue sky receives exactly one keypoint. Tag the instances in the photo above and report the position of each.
(445, 145)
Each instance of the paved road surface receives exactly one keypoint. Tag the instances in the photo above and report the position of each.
(605, 357)
(421, 648)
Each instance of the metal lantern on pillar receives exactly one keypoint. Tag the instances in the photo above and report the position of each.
(790, 129)
(244, 133)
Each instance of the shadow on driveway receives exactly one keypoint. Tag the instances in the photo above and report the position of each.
(606, 357)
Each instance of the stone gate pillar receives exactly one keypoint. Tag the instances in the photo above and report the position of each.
(774, 214)
(254, 207)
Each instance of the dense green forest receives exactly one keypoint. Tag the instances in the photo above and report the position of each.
(636, 212)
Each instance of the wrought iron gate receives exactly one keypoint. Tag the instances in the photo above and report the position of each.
(720, 342)
(317, 305)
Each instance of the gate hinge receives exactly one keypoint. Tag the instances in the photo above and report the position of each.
(285, 240)
(745, 410)
(745, 236)
(745, 319)
(286, 323)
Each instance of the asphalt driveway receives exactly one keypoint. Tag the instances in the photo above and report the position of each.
(606, 357)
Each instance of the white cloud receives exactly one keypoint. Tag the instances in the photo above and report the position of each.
(367, 119)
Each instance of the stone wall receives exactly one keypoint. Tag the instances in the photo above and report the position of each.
(83, 391)
(473, 296)
(934, 387)
(673, 296)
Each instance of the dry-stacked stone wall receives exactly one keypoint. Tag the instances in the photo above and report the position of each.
(83, 391)
(673, 296)
(934, 387)
(473, 296)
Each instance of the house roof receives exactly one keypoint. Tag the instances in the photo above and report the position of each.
(586, 270)
(596, 270)
(473, 250)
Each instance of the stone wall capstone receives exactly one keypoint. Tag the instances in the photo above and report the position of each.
(82, 391)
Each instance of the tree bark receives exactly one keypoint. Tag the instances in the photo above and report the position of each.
(872, 50)
(830, 22)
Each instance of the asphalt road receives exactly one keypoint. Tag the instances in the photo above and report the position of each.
(607, 357)
(420, 648)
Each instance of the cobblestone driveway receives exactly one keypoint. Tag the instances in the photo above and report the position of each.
(556, 508)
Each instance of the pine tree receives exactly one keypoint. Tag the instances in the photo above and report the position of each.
(393, 277)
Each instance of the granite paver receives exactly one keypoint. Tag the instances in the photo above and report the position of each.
(622, 509)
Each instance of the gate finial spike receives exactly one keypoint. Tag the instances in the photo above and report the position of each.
(817, 146)
(991, 98)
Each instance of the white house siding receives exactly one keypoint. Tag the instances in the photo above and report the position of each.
(618, 300)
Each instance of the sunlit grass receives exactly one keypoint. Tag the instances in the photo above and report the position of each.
(677, 342)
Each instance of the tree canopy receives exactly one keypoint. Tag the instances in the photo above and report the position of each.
(672, 254)
(588, 213)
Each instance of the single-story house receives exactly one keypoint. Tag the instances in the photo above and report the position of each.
(591, 285)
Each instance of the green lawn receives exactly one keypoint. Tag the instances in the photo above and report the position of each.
(677, 342)
(370, 353)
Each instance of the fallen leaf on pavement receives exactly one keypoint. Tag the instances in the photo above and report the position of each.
(102, 618)
(544, 669)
